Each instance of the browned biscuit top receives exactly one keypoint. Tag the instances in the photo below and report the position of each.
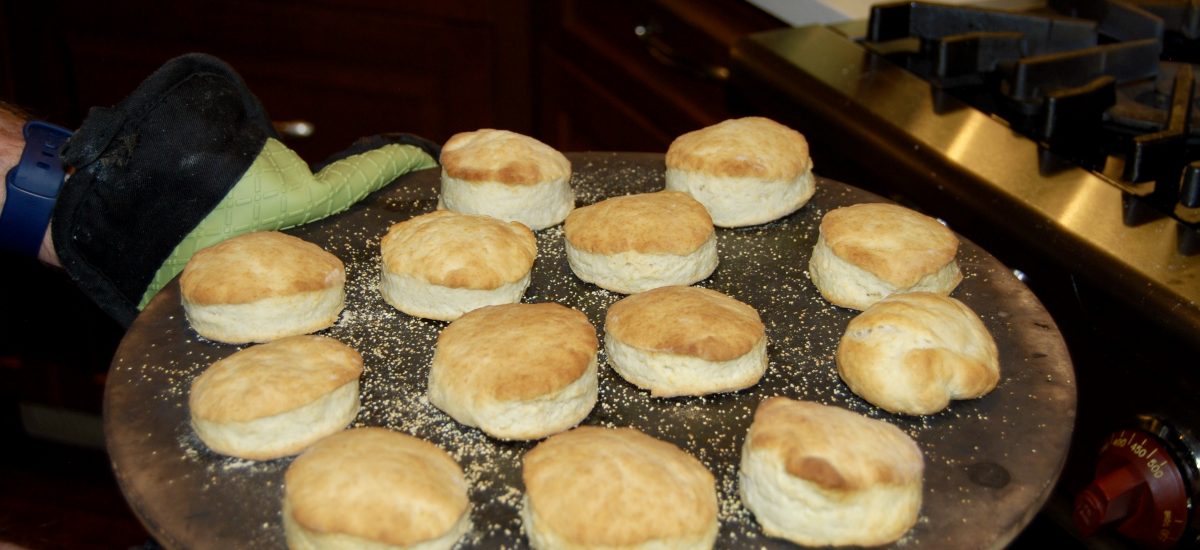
(834, 448)
(503, 157)
(273, 378)
(516, 352)
(459, 250)
(617, 487)
(666, 222)
(893, 243)
(751, 147)
(376, 484)
(255, 266)
(686, 320)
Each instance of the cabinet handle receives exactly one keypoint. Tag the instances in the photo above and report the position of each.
(294, 129)
(650, 35)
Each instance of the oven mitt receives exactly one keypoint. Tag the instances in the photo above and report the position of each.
(187, 160)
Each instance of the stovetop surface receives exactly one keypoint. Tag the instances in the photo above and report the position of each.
(974, 169)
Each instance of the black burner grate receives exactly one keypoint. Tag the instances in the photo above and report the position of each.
(1096, 82)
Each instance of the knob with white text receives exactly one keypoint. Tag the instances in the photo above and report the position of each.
(1142, 487)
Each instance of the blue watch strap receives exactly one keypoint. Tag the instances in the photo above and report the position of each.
(33, 186)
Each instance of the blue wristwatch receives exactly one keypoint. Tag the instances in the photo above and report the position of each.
(32, 186)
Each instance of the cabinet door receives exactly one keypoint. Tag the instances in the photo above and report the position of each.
(631, 75)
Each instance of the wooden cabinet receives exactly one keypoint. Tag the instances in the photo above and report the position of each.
(578, 74)
(630, 75)
(351, 68)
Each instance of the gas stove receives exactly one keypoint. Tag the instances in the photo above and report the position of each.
(1114, 95)
(1064, 140)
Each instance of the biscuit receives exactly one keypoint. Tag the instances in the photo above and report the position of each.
(745, 171)
(443, 264)
(374, 488)
(272, 400)
(258, 287)
(634, 243)
(912, 353)
(508, 176)
(865, 252)
(823, 476)
(595, 487)
(516, 371)
(681, 340)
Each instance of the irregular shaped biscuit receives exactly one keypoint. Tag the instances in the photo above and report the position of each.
(912, 353)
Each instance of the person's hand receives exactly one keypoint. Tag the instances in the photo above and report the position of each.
(187, 160)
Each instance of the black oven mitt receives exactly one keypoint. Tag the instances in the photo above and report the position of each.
(187, 160)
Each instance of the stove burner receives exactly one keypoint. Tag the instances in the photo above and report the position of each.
(1100, 91)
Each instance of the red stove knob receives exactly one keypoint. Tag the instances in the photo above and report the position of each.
(1139, 488)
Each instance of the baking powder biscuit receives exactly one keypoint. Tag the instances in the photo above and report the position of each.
(865, 252)
(912, 353)
(508, 176)
(823, 476)
(258, 287)
(516, 371)
(272, 400)
(682, 340)
(634, 243)
(614, 488)
(374, 488)
(746, 171)
(443, 264)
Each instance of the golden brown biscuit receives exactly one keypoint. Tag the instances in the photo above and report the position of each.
(516, 371)
(506, 175)
(262, 286)
(912, 353)
(819, 475)
(275, 399)
(443, 264)
(374, 488)
(680, 340)
(865, 252)
(634, 243)
(746, 171)
(595, 487)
